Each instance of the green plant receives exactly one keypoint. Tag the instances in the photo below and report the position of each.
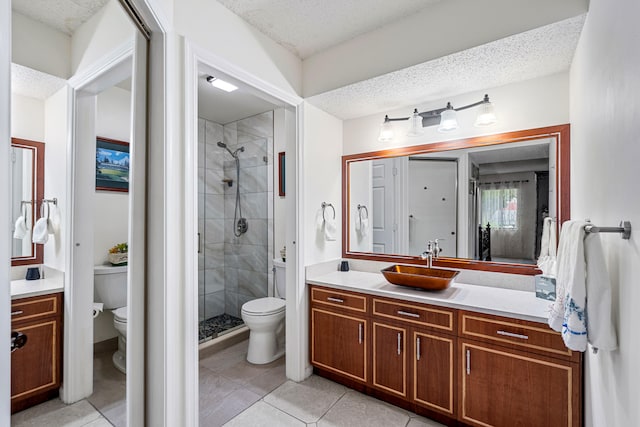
(120, 248)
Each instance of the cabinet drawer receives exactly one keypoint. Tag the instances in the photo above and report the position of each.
(439, 318)
(342, 299)
(35, 307)
(515, 333)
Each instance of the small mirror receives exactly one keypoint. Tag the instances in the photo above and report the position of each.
(27, 192)
(484, 199)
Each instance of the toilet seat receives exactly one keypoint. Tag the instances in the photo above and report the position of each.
(264, 306)
(120, 314)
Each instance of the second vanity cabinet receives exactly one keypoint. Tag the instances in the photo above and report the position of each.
(36, 367)
(458, 367)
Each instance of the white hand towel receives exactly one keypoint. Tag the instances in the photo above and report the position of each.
(358, 222)
(41, 231)
(364, 227)
(547, 258)
(20, 228)
(583, 291)
(330, 229)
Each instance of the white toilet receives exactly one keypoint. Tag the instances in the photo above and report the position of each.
(110, 288)
(265, 319)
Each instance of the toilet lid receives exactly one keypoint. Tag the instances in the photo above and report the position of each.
(264, 306)
(120, 314)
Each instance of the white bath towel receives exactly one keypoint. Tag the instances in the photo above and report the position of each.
(41, 231)
(364, 227)
(582, 309)
(548, 243)
(330, 229)
(20, 228)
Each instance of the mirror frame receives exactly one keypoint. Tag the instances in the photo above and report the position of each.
(37, 250)
(561, 134)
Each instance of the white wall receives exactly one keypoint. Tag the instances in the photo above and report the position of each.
(605, 124)
(322, 169)
(27, 118)
(55, 174)
(40, 47)
(111, 209)
(105, 31)
(213, 27)
(524, 105)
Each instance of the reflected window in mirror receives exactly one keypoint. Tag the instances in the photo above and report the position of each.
(27, 192)
(483, 198)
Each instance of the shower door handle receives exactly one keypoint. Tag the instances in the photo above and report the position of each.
(199, 244)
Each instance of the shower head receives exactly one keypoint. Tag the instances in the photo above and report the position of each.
(233, 153)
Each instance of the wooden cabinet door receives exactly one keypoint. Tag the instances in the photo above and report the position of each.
(505, 388)
(433, 378)
(34, 367)
(389, 358)
(339, 343)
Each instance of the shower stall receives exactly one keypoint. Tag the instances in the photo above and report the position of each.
(235, 219)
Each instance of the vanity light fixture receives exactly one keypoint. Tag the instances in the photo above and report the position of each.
(445, 118)
(221, 84)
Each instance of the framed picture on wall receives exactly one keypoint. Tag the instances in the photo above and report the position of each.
(112, 165)
(281, 174)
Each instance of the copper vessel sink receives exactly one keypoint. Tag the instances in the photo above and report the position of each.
(433, 279)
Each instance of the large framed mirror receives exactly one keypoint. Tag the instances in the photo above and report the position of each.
(484, 199)
(27, 192)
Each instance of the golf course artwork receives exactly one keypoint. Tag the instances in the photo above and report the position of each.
(112, 165)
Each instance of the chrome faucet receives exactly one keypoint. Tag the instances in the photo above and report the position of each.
(433, 250)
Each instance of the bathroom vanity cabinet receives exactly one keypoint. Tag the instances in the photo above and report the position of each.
(457, 366)
(36, 367)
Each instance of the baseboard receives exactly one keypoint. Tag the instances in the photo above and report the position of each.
(107, 345)
(227, 340)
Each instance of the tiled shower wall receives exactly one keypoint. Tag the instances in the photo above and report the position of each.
(233, 270)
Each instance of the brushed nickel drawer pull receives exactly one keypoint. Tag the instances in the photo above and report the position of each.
(360, 333)
(468, 362)
(512, 335)
(17, 312)
(338, 300)
(406, 313)
(399, 342)
(418, 348)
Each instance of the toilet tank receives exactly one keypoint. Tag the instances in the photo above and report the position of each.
(281, 277)
(110, 285)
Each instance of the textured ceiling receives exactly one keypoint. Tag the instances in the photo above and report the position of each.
(34, 84)
(63, 15)
(536, 53)
(310, 26)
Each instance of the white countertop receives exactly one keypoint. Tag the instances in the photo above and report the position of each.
(503, 302)
(30, 288)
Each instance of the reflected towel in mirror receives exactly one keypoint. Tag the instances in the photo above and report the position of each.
(20, 228)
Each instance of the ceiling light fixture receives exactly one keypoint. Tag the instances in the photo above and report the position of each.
(221, 84)
(445, 118)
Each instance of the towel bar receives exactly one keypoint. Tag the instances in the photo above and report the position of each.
(625, 229)
(324, 206)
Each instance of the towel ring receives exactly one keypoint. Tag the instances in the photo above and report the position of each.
(360, 209)
(324, 206)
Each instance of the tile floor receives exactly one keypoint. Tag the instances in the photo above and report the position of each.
(233, 393)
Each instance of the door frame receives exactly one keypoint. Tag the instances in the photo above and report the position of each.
(5, 197)
(128, 60)
(196, 56)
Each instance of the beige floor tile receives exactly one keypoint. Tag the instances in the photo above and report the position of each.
(226, 358)
(423, 422)
(307, 400)
(100, 422)
(228, 407)
(262, 414)
(355, 410)
(266, 382)
(56, 413)
(213, 389)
